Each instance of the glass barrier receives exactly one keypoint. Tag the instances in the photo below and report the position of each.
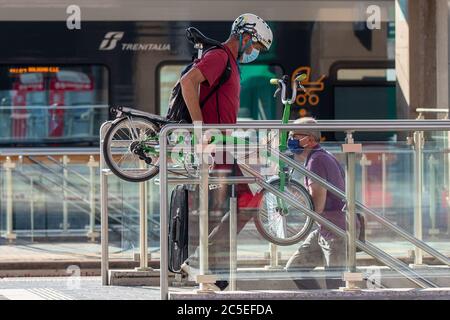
(52, 208)
(385, 182)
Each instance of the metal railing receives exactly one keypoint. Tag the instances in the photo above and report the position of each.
(58, 182)
(104, 216)
(343, 126)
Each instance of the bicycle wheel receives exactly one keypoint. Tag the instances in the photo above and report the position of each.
(287, 228)
(125, 149)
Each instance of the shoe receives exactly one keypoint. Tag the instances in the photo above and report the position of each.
(211, 286)
(190, 272)
(222, 284)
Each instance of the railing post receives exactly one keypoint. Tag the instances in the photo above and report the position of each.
(203, 217)
(432, 198)
(448, 182)
(92, 164)
(32, 208)
(143, 239)
(383, 183)
(9, 166)
(104, 209)
(351, 277)
(233, 240)
(65, 224)
(163, 219)
(274, 257)
(274, 261)
(364, 164)
(418, 179)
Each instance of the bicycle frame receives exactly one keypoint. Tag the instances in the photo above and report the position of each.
(231, 140)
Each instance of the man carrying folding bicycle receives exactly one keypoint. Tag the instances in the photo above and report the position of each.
(249, 35)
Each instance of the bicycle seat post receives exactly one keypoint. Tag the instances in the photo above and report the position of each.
(199, 47)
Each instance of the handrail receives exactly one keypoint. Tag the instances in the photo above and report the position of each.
(51, 107)
(342, 126)
(367, 247)
(74, 191)
(67, 151)
(95, 151)
(48, 151)
(63, 166)
(360, 206)
(66, 167)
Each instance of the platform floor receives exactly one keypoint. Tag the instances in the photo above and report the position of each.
(90, 288)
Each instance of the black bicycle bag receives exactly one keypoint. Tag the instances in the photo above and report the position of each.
(178, 228)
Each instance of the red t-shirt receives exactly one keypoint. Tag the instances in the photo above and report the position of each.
(212, 65)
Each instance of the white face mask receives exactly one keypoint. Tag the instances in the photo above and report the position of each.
(247, 58)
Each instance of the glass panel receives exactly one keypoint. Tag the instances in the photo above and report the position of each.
(385, 183)
(42, 105)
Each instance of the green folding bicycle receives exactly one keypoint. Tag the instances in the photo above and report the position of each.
(131, 151)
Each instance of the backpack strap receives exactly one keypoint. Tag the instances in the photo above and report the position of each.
(223, 78)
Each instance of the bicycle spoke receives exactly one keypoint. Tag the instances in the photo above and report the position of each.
(124, 157)
(130, 127)
(287, 226)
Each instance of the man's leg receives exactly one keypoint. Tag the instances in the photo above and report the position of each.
(219, 243)
(219, 235)
(305, 259)
(334, 255)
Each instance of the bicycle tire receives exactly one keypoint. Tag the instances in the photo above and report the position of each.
(153, 171)
(307, 225)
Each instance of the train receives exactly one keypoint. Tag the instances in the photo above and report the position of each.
(57, 83)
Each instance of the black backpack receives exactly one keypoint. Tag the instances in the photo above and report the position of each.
(178, 110)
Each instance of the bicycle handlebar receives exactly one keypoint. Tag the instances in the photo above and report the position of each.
(282, 83)
(274, 81)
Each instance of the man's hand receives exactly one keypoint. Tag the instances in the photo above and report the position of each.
(319, 196)
(190, 84)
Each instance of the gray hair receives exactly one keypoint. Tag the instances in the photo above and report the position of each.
(307, 120)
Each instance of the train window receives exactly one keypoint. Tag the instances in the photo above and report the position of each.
(365, 93)
(168, 76)
(57, 104)
(366, 74)
(257, 100)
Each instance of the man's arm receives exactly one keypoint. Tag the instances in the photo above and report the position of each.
(319, 196)
(190, 84)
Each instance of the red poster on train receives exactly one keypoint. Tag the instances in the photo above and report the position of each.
(56, 114)
(63, 82)
(24, 84)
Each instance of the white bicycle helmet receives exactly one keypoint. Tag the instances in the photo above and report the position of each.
(255, 26)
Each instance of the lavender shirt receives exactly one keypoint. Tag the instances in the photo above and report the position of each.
(325, 165)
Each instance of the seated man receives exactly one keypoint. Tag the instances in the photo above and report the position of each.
(321, 247)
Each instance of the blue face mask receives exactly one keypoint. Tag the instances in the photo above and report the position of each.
(294, 145)
(247, 58)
